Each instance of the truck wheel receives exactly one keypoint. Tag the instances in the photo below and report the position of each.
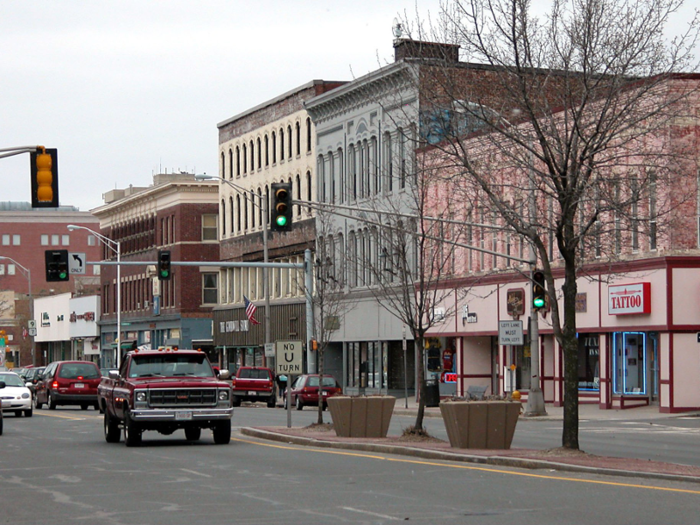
(112, 432)
(193, 433)
(271, 401)
(132, 432)
(222, 432)
(50, 401)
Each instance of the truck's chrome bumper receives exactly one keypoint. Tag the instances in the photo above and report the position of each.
(180, 415)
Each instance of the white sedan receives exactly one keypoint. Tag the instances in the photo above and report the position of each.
(16, 397)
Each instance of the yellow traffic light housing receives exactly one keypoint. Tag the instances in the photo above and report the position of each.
(281, 207)
(538, 290)
(44, 167)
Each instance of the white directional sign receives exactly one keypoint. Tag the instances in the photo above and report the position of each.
(289, 357)
(510, 333)
(76, 263)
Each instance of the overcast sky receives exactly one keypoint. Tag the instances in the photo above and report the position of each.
(126, 89)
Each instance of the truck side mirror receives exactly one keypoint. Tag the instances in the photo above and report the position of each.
(114, 374)
(224, 374)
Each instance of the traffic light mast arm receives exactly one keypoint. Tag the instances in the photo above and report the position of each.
(11, 152)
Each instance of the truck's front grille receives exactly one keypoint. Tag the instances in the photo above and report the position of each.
(179, 397)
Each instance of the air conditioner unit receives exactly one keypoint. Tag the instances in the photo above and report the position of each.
(145, 304)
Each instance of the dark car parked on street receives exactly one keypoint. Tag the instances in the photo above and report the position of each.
(68, 383)
(32, 378)
(305, 390)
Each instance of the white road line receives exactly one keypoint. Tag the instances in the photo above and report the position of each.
(195, 473)
(376, 515)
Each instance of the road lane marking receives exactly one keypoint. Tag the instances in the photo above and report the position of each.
(73, 418)
(468, 467)
(195, 473)
(375, 514)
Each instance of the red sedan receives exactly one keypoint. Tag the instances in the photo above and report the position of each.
(305, 390)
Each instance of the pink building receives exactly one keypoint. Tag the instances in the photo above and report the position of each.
(638, 316)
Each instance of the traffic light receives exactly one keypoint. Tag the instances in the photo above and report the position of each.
(538, 292)
(281, 206)
(44, 166)
(314, 345)
(56, 265)
(164, 265)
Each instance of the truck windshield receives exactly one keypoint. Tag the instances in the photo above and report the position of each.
(170, 365)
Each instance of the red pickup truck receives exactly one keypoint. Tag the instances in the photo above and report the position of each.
(254, 383)
(165, 390)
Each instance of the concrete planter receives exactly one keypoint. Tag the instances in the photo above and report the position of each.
(480, 424)
(361, 416)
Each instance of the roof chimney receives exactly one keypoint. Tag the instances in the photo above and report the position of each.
(407, 48)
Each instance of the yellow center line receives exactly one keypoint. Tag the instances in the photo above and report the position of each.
(74, 418)
(469, 467)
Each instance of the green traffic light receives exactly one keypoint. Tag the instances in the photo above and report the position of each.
(164, 273)
(62, 275)
(281, 220)
(538, 302)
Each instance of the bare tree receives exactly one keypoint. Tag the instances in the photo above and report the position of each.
(566, 128)
(329, 298)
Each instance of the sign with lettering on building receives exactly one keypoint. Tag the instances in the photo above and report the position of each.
(510, 333)
(515, 302)
(626, 299)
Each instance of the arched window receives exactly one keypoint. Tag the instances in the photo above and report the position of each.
(245, 212)
(252, 156)
(238, 213)
(245, 159)
(281, 144)
(230, 163)
(308, 135)
(259, 154)
(298, 194)
(388, 163)
(341, 177)
(298, 138)
(374, 169)
(267, 150)
(267, 202)
(222, 214)
(252, 211)
(223, 164)
(260, 207)
(308, 186)
(289, 141)
(231, 211)
(321, 179)
(352, 169)
(238, 161)
(274, 147)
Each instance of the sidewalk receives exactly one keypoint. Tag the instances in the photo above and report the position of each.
(554, 459)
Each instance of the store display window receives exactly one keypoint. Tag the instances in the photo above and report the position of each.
(588, 363)
(629, 363)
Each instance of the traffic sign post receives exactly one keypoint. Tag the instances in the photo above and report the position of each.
(289, 361)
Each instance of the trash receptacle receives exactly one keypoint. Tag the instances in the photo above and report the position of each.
(432, 393)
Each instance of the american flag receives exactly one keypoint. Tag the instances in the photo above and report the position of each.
(250, 309)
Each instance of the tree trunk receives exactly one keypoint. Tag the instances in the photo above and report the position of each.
(570, 354)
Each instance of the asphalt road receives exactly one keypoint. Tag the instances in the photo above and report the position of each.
(56, 468)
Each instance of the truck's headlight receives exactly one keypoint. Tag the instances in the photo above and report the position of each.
(140, 396)
(223, 395)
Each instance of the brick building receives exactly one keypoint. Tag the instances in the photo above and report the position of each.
(25, 233)
(272, 142)
(177, 213)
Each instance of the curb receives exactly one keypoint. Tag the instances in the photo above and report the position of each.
(532, 464)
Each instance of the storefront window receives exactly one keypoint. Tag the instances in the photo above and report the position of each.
(629, 363)
(588, 363)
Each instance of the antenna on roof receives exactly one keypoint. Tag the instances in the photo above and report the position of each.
(397, 29)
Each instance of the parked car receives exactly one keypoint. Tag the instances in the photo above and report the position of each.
(254, 383)
(68, 383)
(32, 378)
(2, 404)
(305, 390)
(16, 396)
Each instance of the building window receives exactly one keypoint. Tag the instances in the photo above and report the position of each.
(281, 144)
(223, 164)
(210, 289)
(209, 228)
(267, 150)
(10, 269)
(259, 154)
(274, 147)
(298, 131)
(54, 240)
(91, 240)
(289, 141)
(5, 239)
(238, 161)
(308, 135)
(230, 163)
(588, 363)
(65, 240)
(44, 240)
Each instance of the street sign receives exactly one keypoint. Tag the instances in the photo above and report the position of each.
(289, 357)
(510, 333)
(31, 323)
(269, 349)
(76, 263)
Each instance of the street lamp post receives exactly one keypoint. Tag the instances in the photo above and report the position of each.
(115, 246)
(263, 207)
(28, 274)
